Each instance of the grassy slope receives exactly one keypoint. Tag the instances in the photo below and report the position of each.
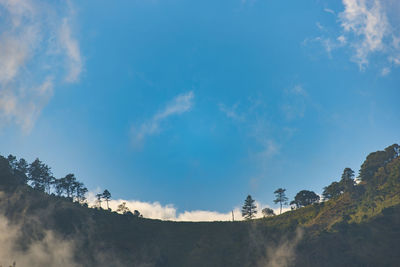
(358, 229)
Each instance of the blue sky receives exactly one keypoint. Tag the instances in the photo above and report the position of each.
(198, 103)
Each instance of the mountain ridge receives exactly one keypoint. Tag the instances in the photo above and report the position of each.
(360, 227)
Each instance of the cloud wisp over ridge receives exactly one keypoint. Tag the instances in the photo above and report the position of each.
(155, 210)
(35, 37)
(179, 105)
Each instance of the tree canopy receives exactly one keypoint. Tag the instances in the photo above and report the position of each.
(333, 190)
(376, 160)
(305, 198)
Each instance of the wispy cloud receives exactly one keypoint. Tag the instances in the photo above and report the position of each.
(367, 28)
(251, 120)
(179, 105)
(368, 22)
(71, 46)
(328, 10)
(34, 37)
(385, 71)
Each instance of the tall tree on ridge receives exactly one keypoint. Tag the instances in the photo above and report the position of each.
(347, 180)
(280, 197)
(107, 196)
(249, 209)
(81, 191)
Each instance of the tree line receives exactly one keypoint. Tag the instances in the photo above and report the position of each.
(39, 176)
(346, 184)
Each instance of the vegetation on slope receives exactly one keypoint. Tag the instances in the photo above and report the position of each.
(359, 226)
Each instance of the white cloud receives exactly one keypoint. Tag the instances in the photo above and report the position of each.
(370, 27)
(179, 105)
(34, 37)
(395, 60)
(342, 40)
(367, 20)
(155, 210)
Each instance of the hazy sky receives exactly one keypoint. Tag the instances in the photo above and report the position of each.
(199, 103)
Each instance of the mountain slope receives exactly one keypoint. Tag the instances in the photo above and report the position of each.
(357, 228)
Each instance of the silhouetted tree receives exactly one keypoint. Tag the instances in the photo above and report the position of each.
(107, 196)
(19, 168)
(22, 166)
(58, 186)
(267, 212)
(80, 191)
(280, 197)
(305, 198)
(12, 160)
(66, 186)
(39, 174)
(249, 209)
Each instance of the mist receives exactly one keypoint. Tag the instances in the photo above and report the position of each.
(50, 250)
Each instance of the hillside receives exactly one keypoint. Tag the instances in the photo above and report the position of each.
(360, 227)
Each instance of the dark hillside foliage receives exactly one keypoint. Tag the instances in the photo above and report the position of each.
(359, 225)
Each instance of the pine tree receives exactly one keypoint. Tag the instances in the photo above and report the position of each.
(347, 180)
(249, 209)
(80, 191)
(40, 176)
(107, 196)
